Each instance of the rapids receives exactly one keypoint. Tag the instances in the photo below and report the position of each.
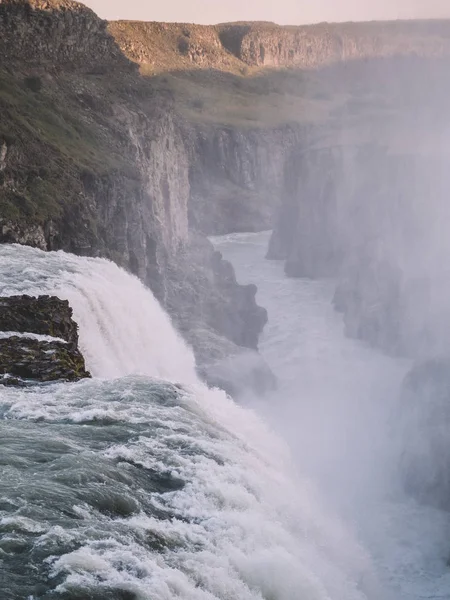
(142, 484)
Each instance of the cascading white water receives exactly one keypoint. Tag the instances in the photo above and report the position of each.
(121, 324)
(243, 525)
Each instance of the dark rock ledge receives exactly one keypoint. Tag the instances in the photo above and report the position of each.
(25, 360)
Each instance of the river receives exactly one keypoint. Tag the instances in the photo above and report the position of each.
(335, 407)
(142, 484)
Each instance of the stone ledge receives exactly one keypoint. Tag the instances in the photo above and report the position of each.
(25, 360)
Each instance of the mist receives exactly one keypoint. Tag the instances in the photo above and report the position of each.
(224, 302)
(359, 331)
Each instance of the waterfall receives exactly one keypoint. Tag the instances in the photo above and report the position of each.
(133, 488)
(123, 329)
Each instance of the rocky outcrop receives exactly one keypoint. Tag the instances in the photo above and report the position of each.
(38, 341)
(209, 298)
(44, 315)
(24, 361)
(12, 232)
(57, 34)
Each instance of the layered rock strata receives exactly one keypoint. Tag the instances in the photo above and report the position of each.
(38, 341)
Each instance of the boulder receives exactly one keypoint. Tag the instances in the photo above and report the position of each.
(44, 315)
(25, 359)
(38, 341)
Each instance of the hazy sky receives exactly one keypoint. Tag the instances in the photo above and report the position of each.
(280, 11)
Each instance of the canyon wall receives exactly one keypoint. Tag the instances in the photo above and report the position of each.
(236, 176)
(95, 162)
(270, 45)
(375, 221)
(99, 156)
(240, 46)
(365, 202)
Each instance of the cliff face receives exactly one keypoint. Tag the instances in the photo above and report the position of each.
(172, 46)
(57, 33)
(99, 159)
(94, 162)
(236, 47)
(269, 45)
(364, 201)
(236, 176)
(306, 233)
(375, 221)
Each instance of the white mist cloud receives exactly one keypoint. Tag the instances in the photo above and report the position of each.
(282, 11)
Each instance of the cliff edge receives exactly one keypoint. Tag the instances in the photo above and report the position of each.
(94, 160)
(238, 47)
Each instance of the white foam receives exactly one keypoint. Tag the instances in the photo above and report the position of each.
(249, 526)
(123, 329)
(31, 336)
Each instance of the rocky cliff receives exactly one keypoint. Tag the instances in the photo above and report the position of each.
(93, 161)
(57, 33)
(132, 141)
(269, 45)
(374, 220)
(236, 176)
(236, 47)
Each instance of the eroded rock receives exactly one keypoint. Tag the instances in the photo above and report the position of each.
(26, 356)
(25, 359)
(19, 233)
(44, 315)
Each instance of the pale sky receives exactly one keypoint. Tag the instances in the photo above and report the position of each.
(280, 11)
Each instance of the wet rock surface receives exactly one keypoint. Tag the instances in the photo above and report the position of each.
(27, 358)
(45, 315)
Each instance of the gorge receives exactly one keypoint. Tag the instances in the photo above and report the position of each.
(124, 147)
